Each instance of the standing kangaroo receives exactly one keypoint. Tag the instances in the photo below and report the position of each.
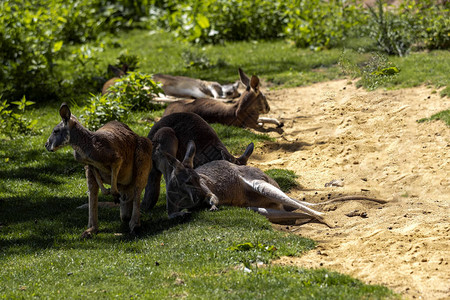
(222, 183)
(243, 113)
(113, 154)
(172, 134)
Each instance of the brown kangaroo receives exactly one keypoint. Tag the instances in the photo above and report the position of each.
(113, 154)
(117, 74)
(243, 113)
(172, 134)
(223, 183)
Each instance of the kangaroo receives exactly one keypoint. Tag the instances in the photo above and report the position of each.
(117, 74)
(243, 113)
(113, 154)
(186, 87)
(172, 134)
(223, 183)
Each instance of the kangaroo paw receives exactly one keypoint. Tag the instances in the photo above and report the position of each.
(87, 234)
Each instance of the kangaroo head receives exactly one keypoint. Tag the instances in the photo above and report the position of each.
(230, 91)
(60, 135)
(253, 97)
(116, 72)
(183, 185)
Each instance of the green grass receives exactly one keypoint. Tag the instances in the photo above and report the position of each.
(43, 256)
(286, 179)
(443, 116)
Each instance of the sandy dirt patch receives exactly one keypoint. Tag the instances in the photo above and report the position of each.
(372, 142)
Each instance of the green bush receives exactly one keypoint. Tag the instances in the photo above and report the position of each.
(318, 24)
(210, 21)
(136, 91)
(13, 121)
(414, 24)
(103, 108)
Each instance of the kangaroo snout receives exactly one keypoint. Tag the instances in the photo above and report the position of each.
(48, 147)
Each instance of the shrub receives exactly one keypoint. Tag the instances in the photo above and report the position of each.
(210, 21)
(420, 24)
(376, 71)
(136, 91)
(103, 108)
(13, 121)
(319, 24)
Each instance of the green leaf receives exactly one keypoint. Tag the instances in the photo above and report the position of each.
(202, 21)
(57, 46)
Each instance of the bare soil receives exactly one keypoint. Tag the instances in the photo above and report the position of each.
(373, 144)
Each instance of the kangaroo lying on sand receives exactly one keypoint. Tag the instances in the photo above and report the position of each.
(172, 134)
(243, 113)
(222, 183)
(186, 87)
(113, 154)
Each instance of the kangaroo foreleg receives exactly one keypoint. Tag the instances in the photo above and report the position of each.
(263, 120)
(268, 190)
(114, 174)
(99, 180)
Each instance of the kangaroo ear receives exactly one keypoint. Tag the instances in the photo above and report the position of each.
(236, 84)
(244, 78)
(254, 83)
(244, 158)
(171, 160)
(188, 160)
(64, 112)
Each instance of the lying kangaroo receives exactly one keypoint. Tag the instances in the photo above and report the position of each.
(186, 87)
(113, 154)
(243, 113)
(172, 134)
(222, 183)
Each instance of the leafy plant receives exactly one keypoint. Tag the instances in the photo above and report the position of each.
(137, 91)
(209, 21)
(319, 24)
(103, 108)
(13, 121)
(374, 72)
(393, 33)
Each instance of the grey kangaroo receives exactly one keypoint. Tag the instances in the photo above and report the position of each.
(186, 87)
(172, 134)
(243, 113)
(113, 154)
(223, 183)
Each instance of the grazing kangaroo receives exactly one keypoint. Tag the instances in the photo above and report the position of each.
(186, 87)
(172, 134)
(117, 74)
(243, 113)
(222, 183)
(113, 154)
